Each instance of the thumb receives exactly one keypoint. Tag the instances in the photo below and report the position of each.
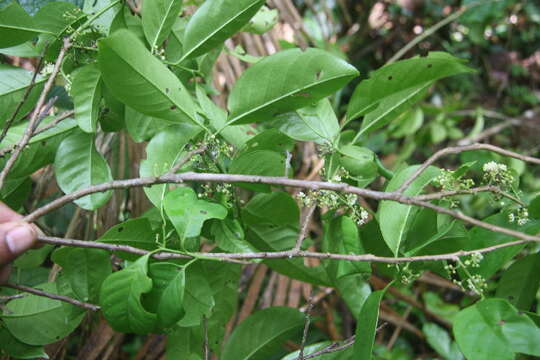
(15, 238)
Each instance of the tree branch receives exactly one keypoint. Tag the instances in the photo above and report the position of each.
(303, 231)
(313, 185)
(38, 292)
(34, 120)
(288, 254)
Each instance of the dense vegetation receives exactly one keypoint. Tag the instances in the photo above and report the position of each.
(251, 179)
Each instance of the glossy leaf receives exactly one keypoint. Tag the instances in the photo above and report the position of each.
(37, 320)
(519, 283)
(198, 297)
(141, 81)
(293, 79)
(86, 93)
(134, 232)
(120, 299)
(395, 216)
(260, 335)
(16, 26)
(493, 329)
(158, 18)
(214, 22)
(316, 123)
(78, 165)
(167, 295)
(402, 75)
(142, 127)
(391, 107)
(188, 213)
(13, 84)
(102, 23)
(162, 153)
(366, 326)
(229, 236)
(84, 269)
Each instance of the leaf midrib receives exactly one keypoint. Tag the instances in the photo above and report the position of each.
(215, 32)
(156, 87)
(267, 341)
(282, 97)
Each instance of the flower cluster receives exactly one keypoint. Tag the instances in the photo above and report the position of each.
(449, 181)
(520, 216)
(408, 276)
(474, 282)
(333, 201)
(497, 174)
(222, 193)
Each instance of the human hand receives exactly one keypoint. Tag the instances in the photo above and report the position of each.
(16, 237)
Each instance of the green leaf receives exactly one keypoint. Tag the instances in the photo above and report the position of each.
(79, 165)
(263, 21)
(229, 236)
(534, 208)
(481, 238)
(38, 320)
(359, 163)
(17, 349)
(167, 295)
(492, 329)
(313, 348)
(402, 75)
(162, 153)
(84, 269)
(198, 296)
(519, 283)
(214, 22)
(141, 81)
(16, 26)
(316, 123)
(13, 84)
(341, 237)
(276, 208)
(439, 340)
(102, 23)
(293, 79)
(262, 334)
(366, 326)
(158, 18)
(142, 127)
(134, 232)
(235, 135)
(120, 299)
(391, 107)
(86, 93)
(188, 213)
(395, 216)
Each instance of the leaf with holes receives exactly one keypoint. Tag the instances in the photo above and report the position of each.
(292, 79)
(402, 75)
(188, 213)
(141, 81)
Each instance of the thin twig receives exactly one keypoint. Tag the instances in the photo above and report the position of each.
(305, 225)
(166, 255)
(187, 158)
(433, 29)
(460, 149)
(312, 185)
(49, 126)
(337, 346)
(472, 191)
(38, 292)
(306, 328)
(206, 348)
(8, 124)
(34, 120)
